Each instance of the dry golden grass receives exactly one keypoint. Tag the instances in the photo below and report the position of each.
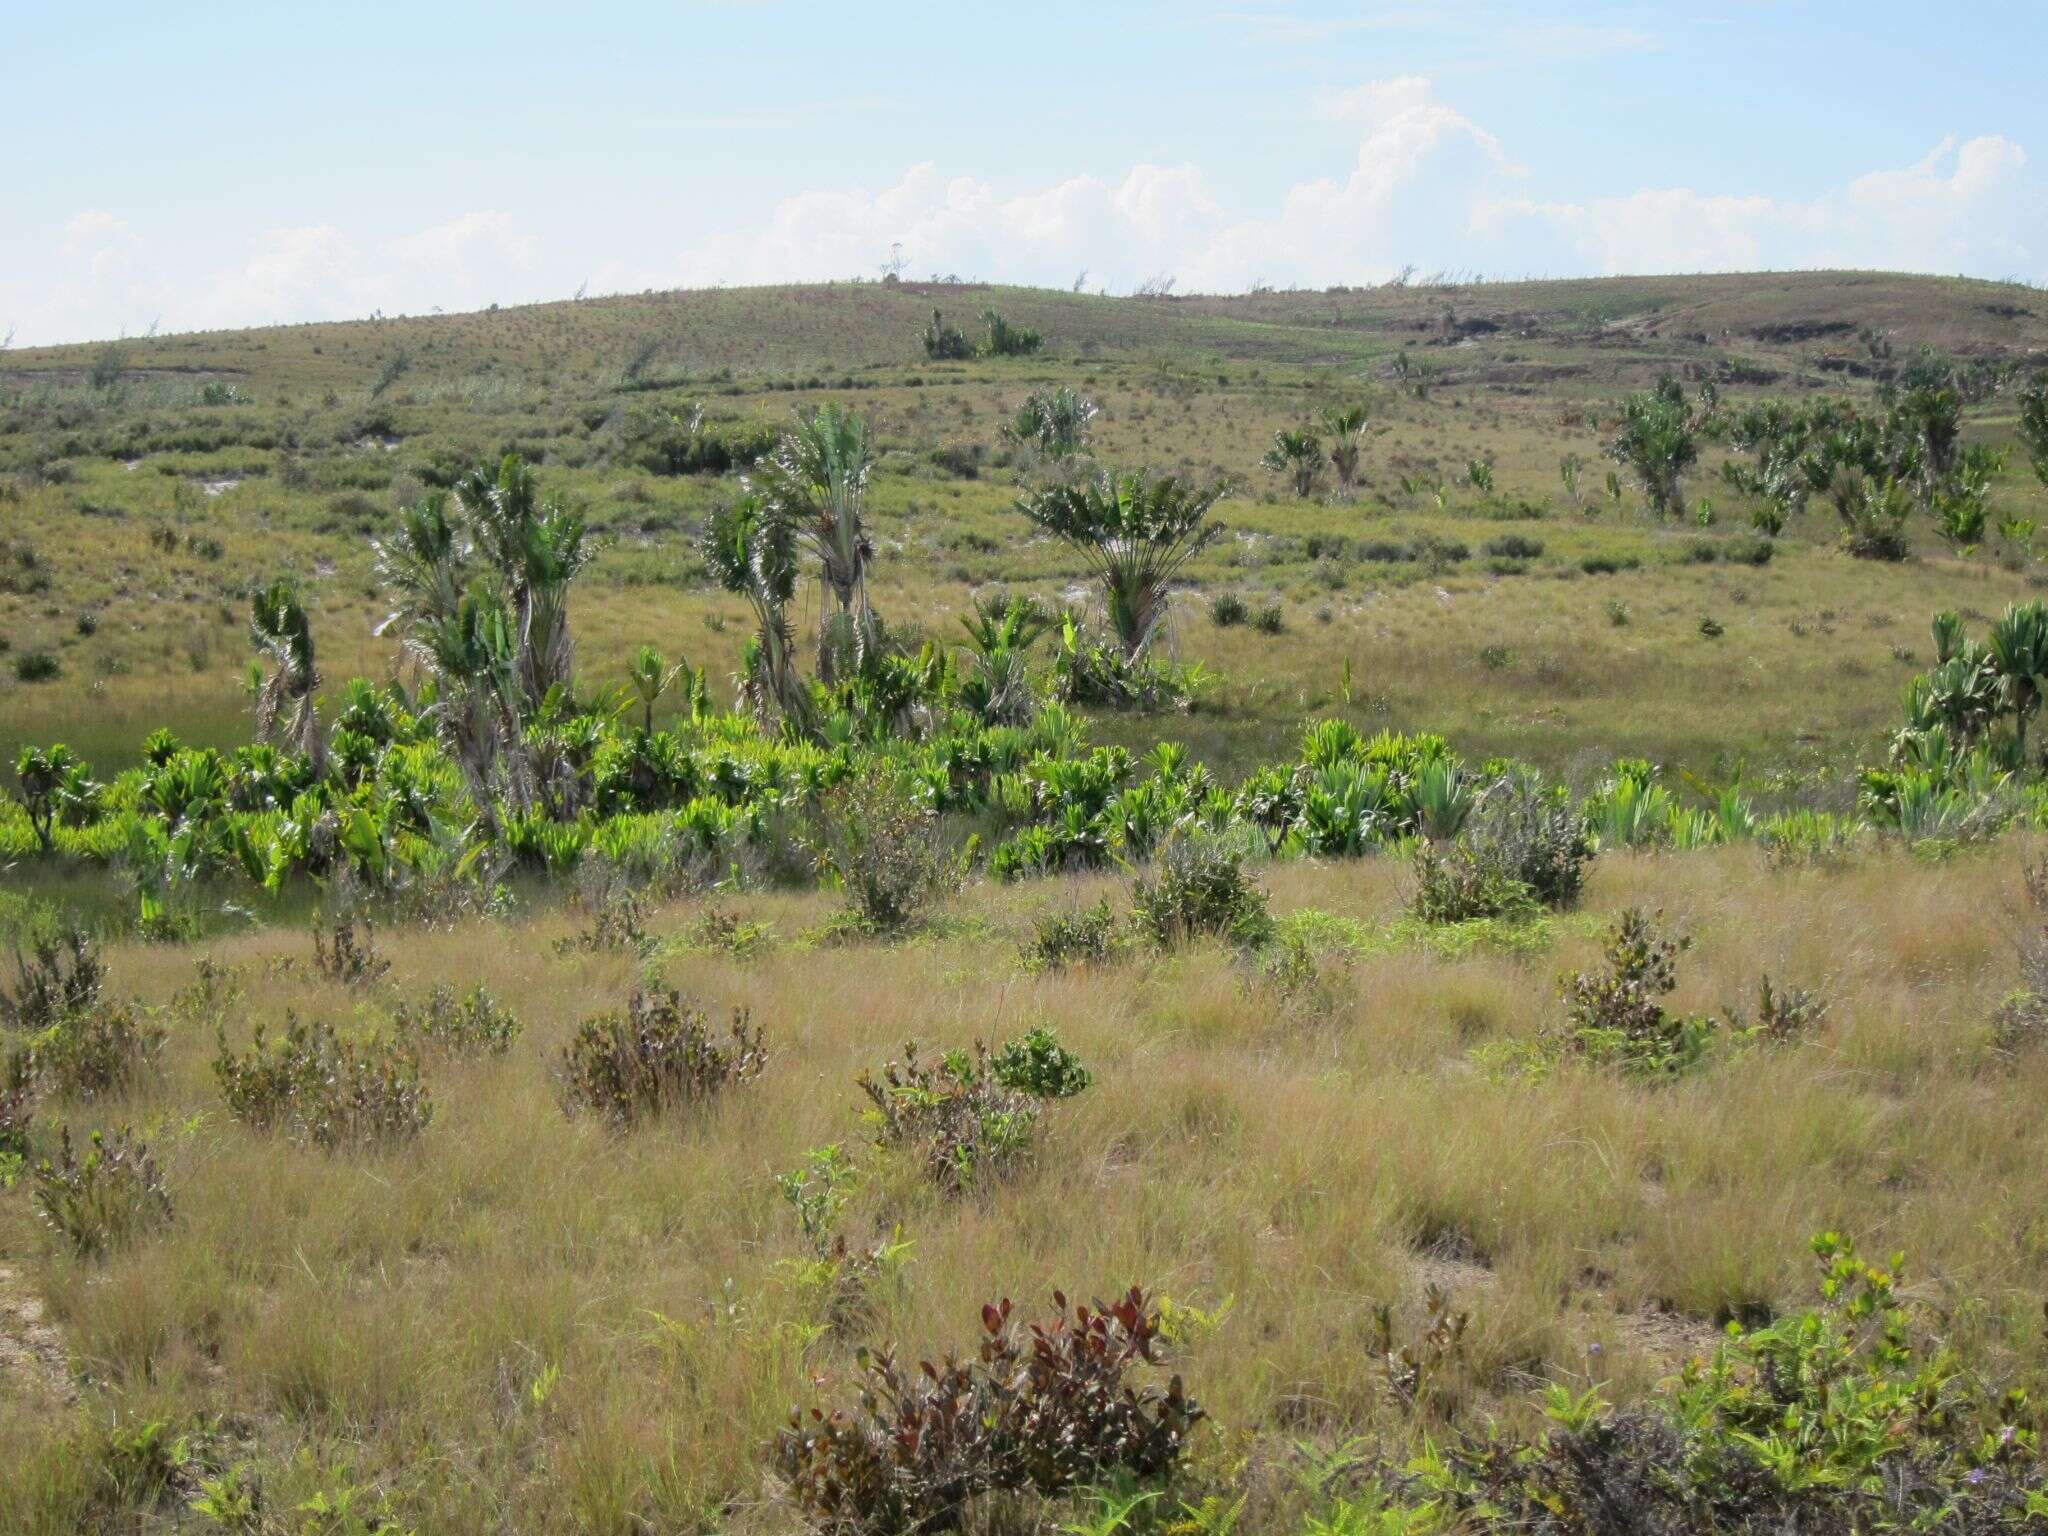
(527, 1322)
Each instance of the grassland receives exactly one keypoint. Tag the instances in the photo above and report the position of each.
(528, 1320)
(147, 515)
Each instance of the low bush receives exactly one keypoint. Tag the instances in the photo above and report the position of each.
(97, 1050)
(1199, 888)
(658, 1057)
(1525, 848)
(1044, 1409)
(1514, 546)
(882, 840)
(471, 1023)
(18, 1092)
(1615, 1016)
(1039, 1065)
(316, 1088)
(339, 955)
(104, 1199)
(1227, 609)
(1270, 618)
(59, 974)
(964, 1126)
(36, 667)
(1853, 1415)
(1077, 936)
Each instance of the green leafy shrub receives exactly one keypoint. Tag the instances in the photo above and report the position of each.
(316, 1088)
(98, 1049)
(881, 838)
(36, 667)
(1039, 1065)
(965, 1126)
(1045, 1409)
(1459, 882)
(1615, 1017)
(1078, 936)
(59, 974)
(1850, 1416)
(1003, 339)
(658, 1057)
(1514, 546)
(1199, 889)
(471, 1023)
(1227, 609)
(945, 343)
(105, 1199)
(1270, 618)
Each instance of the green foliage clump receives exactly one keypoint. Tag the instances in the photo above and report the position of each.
(944, 342)
(1053, 422)
(1849, 1416)
(970, 1117)
(105, 1199)
(1526, 849)
(60, 973)
(1001, 338)
(1616, 1017)
(1200, 888)
(881, 839)
(471, 1023)
(1039, 1065)
(1078, 936)
(341, 955)
(98, 1049)
(658, 1057)
(1659, 443)
(1044, 1409)
(315, 1087)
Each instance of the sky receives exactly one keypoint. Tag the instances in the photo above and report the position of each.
(190, 166)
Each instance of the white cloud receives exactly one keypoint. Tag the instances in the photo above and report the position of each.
(1964, 207)
(1426, 185)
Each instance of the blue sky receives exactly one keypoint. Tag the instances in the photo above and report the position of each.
(227, 164)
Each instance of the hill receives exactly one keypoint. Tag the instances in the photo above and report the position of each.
(154, 480)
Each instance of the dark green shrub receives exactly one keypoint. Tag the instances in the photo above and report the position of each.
(658, 1057)
(1227, 609)
(1514, 546)
(1199, 888)
(472, 1023)
(1607, 565)
(18, 1091)
(1081, 936)
(1270, 618)
(945, 343)
(1039, 1065)
(1458, 883)
(101, 1201)
(36, 667)
(1044, 1409)
(1002, 339)
(1854, 1415)
(316, 1088)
